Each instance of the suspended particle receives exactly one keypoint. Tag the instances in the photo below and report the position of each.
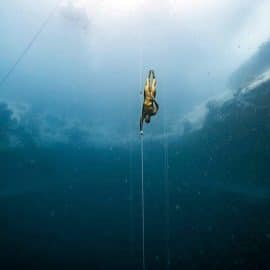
(52, 213)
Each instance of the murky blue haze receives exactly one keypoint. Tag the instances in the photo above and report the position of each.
(70, 159)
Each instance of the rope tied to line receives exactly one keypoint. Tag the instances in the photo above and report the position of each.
(30, 44)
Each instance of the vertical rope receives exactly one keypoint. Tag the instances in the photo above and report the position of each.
(167, 204)
(130, 182)
(142, 154)
(167, 190)
(166, 170)
(142, 194)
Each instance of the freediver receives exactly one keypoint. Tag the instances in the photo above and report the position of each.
(150, 106)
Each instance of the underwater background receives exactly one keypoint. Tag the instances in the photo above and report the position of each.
(70, 149)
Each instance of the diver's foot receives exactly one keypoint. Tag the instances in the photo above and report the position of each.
(151, 72)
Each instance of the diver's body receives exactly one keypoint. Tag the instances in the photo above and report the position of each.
(150, 106)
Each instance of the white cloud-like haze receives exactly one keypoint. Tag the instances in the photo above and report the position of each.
(194, 46)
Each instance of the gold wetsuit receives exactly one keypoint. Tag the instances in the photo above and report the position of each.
(150, 106)
(150, 91)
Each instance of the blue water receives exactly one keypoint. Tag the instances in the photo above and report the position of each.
(70, 149)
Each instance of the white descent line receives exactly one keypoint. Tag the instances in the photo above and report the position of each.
(142, 154)
(142, 194)
(167, 189)
(167, 202)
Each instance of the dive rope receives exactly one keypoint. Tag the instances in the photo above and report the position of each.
(142, 194)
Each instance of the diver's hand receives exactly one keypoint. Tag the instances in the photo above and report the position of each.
(141, 132)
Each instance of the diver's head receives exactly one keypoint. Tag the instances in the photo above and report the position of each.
(147, 119)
